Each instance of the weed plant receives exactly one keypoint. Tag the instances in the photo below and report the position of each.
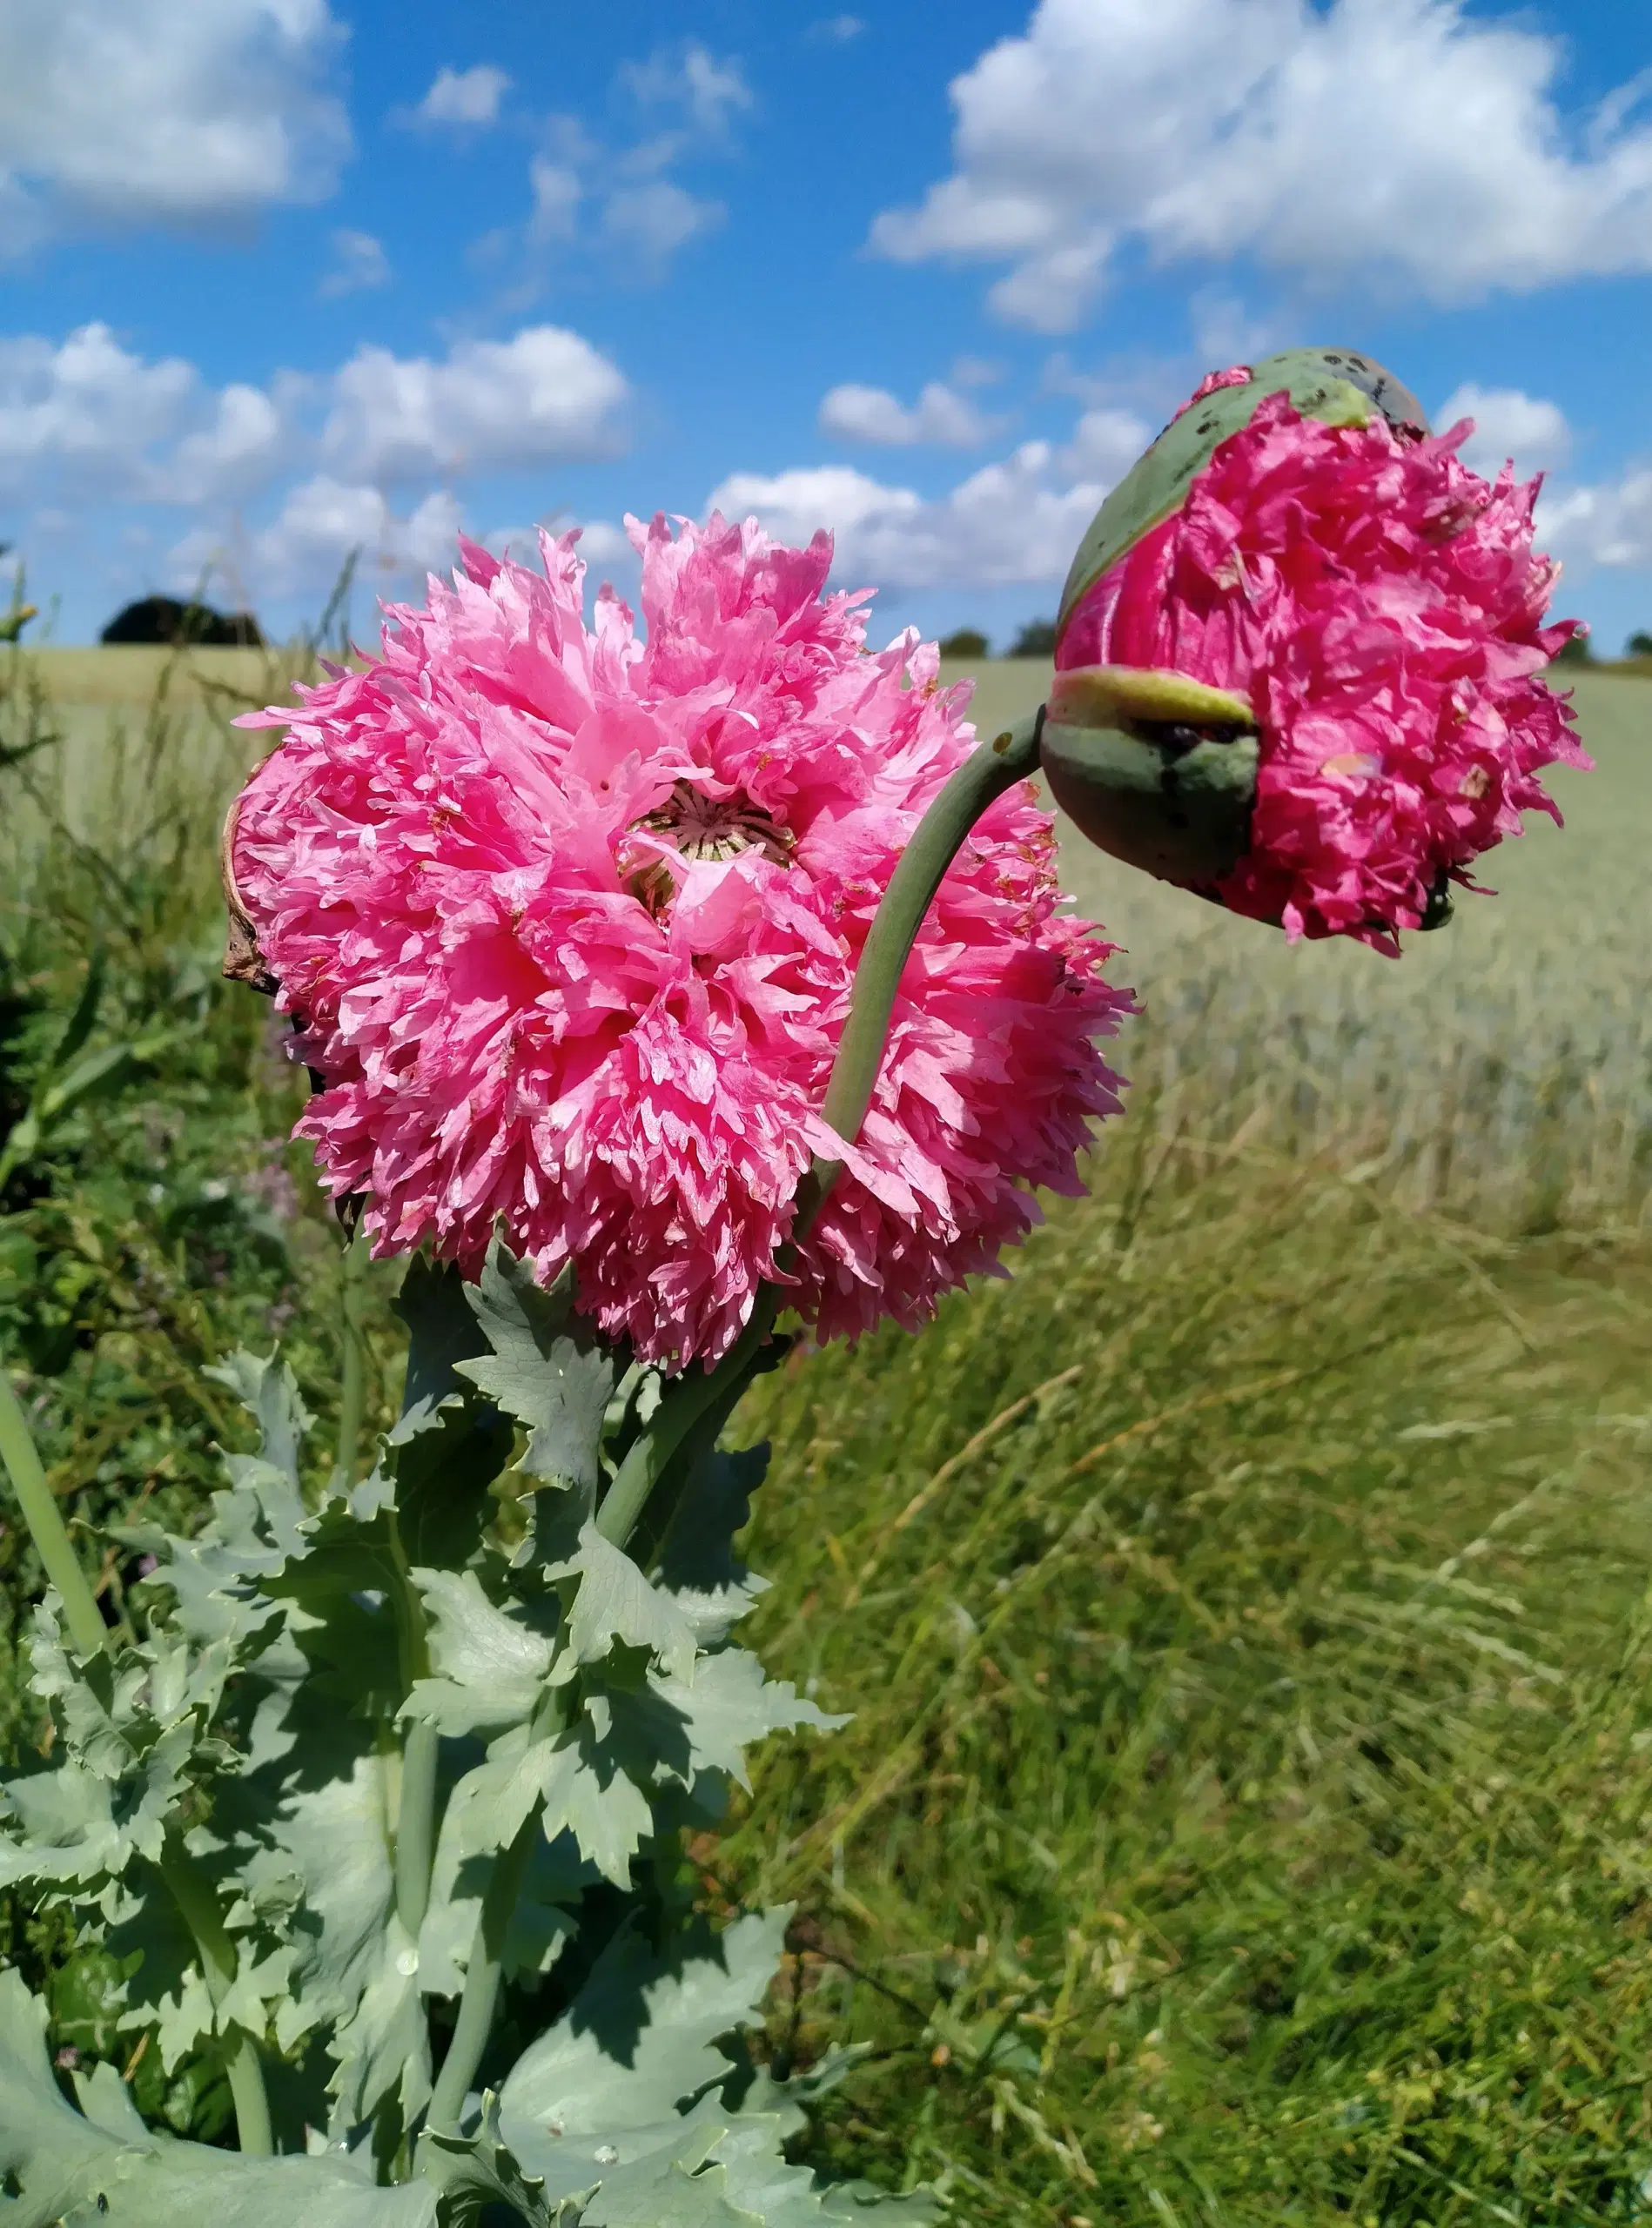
(1243, 1610)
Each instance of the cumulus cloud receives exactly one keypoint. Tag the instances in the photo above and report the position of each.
(360, 263)
(283, 480)
(1404, 139)
(1507, 424)
(322, 524)
(546, 394)
(464, 97)
(603, 546)
(1014, 522)
(243, 442)
(872, 413)
(1609, 525)
(87, 413)
(185, 113)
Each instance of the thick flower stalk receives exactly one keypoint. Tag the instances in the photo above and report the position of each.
(569, 921)
(1299, 658)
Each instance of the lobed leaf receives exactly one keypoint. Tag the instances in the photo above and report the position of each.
(548, 1367)
(100, 2166)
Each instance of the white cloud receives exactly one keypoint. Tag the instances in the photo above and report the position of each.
(837, 31)
(1106, 443)
(464, 97)
(547, 393)
(640, 215)
(177, 112)
(246, 441)
(652, 222)
(278, 482)
(88, 409)
(710, 93)
(1228, 331)
(1399, 138)
(603, 543)
(1507, 424)
(303, 549)
(87, 416)
(796, 504)
(359, 264)
(872, 413)
(1015, 522)
(1609, 525)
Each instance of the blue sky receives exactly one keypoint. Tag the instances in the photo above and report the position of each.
(283, 276)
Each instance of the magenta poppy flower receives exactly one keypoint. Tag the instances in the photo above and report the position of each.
(569, 918)
(1303, 671)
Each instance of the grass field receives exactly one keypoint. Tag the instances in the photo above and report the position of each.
(1244, 1609)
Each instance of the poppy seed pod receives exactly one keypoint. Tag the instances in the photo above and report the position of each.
(1299, 655)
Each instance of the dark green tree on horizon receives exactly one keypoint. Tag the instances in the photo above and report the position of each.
(1035, 640)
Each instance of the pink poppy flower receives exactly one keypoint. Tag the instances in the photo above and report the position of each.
(1335, 643)
(569, 920)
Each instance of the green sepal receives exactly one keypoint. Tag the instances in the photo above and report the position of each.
(1183, 814)
(1334, 385)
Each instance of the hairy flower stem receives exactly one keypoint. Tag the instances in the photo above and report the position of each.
(46, 1526)
(416, 1824)
(940, 835)
(686, 1399)
(485, 1971)
(193, 1895)
(416, 1800)
(353, 1380)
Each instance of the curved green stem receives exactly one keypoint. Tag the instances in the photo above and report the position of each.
(193, 1895)
(982, 779)
(46, 1526)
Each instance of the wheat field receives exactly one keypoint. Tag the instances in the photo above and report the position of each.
(1501, 1070)
(1503, 1067)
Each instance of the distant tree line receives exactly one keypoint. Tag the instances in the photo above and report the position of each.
(1035, 640)
(1580, 649)
(163, 619)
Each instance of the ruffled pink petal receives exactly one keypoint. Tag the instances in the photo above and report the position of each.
(535, 1007)
(1382, 608)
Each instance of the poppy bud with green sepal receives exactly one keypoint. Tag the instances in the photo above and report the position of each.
(1299, 651)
